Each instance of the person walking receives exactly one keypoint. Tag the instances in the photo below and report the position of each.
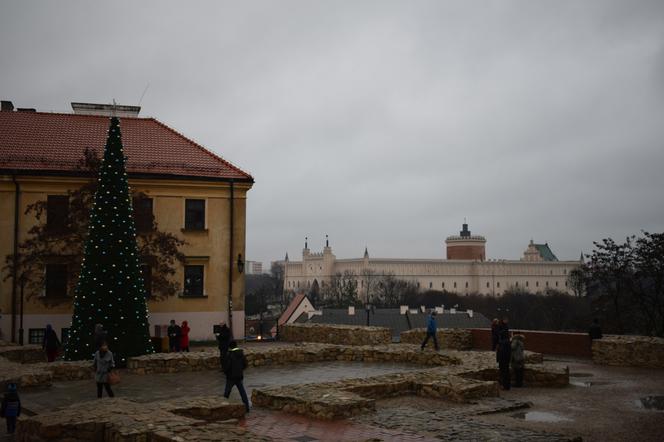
(223, 341)
(494, 333)
(595, 331)
(184, 338)
(503, 356)
(100, 336)
(236, 363)
(11, 407)
(431, 331)
(51, 343)
(518, 359)
(174, 334)
(103, 364)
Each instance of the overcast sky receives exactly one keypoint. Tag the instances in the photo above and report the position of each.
(382, 123)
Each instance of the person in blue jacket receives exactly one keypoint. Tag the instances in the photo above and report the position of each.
(431, 330)
(11, 407)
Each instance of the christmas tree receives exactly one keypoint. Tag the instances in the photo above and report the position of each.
(110, 288)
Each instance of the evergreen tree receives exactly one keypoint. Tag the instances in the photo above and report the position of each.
(110, 288)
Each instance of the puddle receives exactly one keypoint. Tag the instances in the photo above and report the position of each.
(540, 416)
(589, 383)
(652, 403)
(580, 375)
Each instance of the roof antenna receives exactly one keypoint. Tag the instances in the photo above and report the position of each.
(143, 94)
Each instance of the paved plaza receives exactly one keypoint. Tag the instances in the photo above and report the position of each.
(600, 404)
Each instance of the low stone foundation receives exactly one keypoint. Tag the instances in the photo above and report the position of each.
(335, 334)
(121, 420)
(632, 351)
(23, 354)
(43, 373)
(452, 338)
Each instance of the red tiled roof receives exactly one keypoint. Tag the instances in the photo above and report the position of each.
(291, 308)
(54, 143)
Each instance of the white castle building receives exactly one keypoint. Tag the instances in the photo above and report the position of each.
(465, 270)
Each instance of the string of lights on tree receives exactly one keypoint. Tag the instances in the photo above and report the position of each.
(110, 289)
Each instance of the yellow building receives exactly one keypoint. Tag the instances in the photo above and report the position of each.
(192, 192)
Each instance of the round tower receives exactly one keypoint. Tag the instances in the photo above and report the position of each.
(466, 246)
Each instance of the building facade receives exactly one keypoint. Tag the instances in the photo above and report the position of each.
(465, 271)
(192, 193)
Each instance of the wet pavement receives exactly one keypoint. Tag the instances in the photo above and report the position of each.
(158, 387)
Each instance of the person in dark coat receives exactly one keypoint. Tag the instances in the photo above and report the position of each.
(494, 333)
(184, 338)
(100, 336)
(236, 363)
(503, 325)
(11, 407)
(431, 331)
(503, 356)
(174, 334)
(51, 343)
(595, 331)
(223, 341)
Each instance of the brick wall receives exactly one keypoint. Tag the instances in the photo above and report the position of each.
(547, 342)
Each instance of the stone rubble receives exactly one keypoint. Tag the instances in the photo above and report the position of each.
(629, 351)
(335, 334)
(450, 338)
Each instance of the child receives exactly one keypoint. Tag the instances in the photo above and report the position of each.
(11, 408)
(518, 359)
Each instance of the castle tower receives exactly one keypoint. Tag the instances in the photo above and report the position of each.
(466, 246)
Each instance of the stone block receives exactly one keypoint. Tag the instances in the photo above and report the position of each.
(450, 338)
(630, 351)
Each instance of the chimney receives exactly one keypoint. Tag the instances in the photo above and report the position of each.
(351, 310)
(423, 309)
(403, 309)
(7, 106)
(470, 313)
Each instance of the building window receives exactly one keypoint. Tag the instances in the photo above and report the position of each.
(146, 273)
(551, 272)
(565, 272)
(455, 284)
(517, 283)
(143, 215)
(56, 280)
(36, 335)
(418, 284)
(556, 283)
(466, 284)
(193, 280)
(430, 285)
(526, 283)
(498, 284)
(57, 212)
(536, 283)
(443, 286)
(487, 285)
(547, 283)
(194, 216)
(565, 283)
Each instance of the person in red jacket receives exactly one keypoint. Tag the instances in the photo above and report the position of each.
(184, 336)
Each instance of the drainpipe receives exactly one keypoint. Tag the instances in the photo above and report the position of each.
(17, 190)
(230, 262)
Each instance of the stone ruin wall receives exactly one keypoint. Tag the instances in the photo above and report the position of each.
(451, 338)
(335, 334)
(629, 351)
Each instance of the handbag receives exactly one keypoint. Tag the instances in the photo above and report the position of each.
(114, 378)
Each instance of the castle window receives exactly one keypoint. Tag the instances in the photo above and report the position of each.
(498, 284)
(194, 215)
(526, 283)
(466, 284)
(193, 280)
(57, 212)
(556, 283)
(487, 285)
(418, 284)
(547, 283)
(56, 280)
(443, 286)
(143, 216)
(430, 285)
(536, 283)
(455, 284)
(517, 283)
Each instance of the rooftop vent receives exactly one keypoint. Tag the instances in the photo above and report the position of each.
(7, 106)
